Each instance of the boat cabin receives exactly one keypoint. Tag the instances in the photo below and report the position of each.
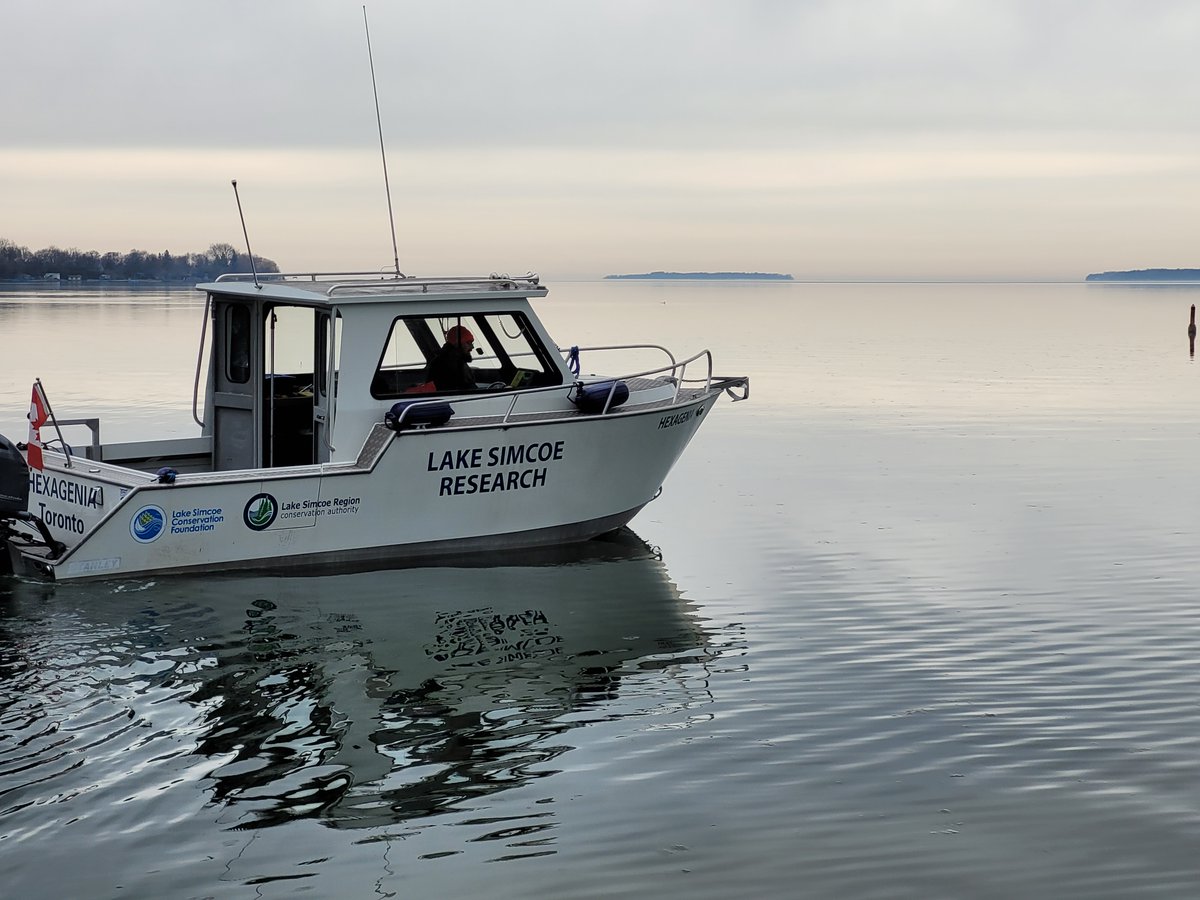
(300, 370)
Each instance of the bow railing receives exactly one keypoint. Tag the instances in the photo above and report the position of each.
(674, 373)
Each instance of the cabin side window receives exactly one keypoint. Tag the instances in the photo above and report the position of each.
(237, 360)
(507, 353)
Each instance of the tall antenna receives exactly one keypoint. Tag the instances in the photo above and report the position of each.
(383, 153)
(246, 235)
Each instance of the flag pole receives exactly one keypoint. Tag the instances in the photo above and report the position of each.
(50, 412)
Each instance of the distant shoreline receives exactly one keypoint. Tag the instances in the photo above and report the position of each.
(1147, 275)
(702, 276)
(100, 282)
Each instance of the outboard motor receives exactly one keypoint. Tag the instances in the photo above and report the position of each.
(14, 480)
(14, 496)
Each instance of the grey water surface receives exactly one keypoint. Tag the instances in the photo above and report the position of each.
(919, 619)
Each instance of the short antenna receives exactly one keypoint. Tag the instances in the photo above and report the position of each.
(246, 234)
(383, 153)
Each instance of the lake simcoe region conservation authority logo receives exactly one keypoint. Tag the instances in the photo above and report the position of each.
(260, 512)
(147, 524)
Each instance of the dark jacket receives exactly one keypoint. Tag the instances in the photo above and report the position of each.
(449, 370)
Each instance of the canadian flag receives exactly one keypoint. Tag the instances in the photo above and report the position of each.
(39, 415)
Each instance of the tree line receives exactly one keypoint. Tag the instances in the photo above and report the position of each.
(21, 263)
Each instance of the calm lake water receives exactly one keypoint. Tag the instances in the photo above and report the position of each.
(919, 619)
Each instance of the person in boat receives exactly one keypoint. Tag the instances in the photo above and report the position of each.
(450, 369)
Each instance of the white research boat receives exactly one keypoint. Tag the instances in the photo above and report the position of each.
(324, 443)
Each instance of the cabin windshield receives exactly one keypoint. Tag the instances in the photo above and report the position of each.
(507, 351)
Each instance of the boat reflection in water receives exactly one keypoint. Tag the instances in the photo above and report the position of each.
(373, 698)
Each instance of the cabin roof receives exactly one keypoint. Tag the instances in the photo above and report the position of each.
(343, 288)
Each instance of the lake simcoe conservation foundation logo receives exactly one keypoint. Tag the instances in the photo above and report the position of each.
(147, 524)
(260, 512)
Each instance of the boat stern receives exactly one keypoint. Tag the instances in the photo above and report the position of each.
(51, 507)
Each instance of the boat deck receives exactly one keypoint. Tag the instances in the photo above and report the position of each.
(686, 395)
(374, 446)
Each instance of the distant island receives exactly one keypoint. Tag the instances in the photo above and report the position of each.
(704, 276)
(19, 263)
(1147, 275)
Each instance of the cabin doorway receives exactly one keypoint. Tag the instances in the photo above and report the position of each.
(274, 384)
(288, 436)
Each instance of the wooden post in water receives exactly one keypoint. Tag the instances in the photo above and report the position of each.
(1192, 333)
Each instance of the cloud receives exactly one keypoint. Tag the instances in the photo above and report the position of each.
(666, 74)
(826, 137)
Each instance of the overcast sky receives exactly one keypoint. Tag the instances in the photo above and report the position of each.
(841, 139)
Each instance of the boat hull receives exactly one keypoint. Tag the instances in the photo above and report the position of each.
(423, 493)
